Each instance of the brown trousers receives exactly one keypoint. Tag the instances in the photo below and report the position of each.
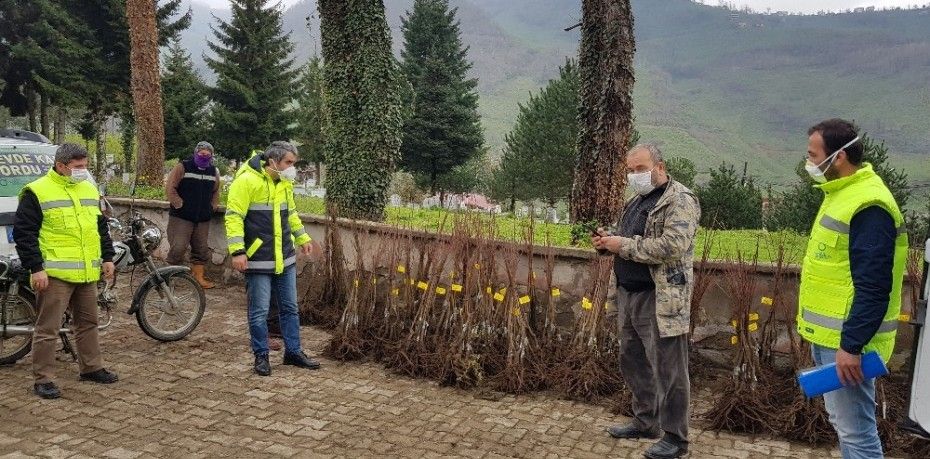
(60, 296)
(183, 233)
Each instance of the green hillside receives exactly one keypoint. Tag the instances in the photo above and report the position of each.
(713, 84)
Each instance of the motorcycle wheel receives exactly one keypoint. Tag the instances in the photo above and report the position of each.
(21, 311)
(157, 316)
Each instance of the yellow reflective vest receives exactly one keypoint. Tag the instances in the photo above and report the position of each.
(69, 238)
(827, 291)
(261, 219)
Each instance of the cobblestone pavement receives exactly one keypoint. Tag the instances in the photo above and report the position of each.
(199, 398)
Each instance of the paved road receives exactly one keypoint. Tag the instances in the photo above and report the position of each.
(199, 398)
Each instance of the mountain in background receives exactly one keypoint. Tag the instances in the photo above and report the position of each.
(712, 84)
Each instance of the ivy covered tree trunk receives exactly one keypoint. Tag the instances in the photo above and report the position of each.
(362, 81)
(146, 90)
(606, 61)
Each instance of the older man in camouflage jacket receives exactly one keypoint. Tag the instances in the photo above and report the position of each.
(654, 252)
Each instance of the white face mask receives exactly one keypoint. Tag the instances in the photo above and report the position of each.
(815, 171)
(80, 175)
(641, 183)
(289, 174)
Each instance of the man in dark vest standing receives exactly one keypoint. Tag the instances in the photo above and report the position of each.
(193, 189)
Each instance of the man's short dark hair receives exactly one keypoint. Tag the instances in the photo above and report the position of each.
(836, 133)
(68, 152)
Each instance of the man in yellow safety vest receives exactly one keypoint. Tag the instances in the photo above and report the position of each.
(851, 279)
(63, 240)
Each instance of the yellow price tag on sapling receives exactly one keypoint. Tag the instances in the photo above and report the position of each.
(524, 299)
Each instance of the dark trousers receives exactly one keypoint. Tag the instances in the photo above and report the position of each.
(655, 368)
(183, 233)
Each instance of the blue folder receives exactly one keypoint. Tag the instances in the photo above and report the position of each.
(820, 380)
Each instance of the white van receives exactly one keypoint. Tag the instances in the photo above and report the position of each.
(24, 157)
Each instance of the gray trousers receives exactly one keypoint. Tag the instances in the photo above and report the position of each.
(655, 368)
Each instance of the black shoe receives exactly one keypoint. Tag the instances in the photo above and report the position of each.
(101, 376)
(47, 390)
(630, 431)
(667, 448)
(301, 360)
(262, 366)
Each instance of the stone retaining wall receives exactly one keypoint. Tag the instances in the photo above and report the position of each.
(571, 273)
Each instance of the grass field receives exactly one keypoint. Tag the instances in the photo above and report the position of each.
(723, 244)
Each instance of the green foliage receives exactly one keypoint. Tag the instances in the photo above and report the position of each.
(254, 79)
(311, 112)
(464, 178)
(796, 208)
(876, 154)
(682, 170)
(363, 104)
(729, 201)
(541, 152)
(404, 185)
(185, 103)
(442, 131)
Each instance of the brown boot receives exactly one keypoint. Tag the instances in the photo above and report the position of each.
(197, 271)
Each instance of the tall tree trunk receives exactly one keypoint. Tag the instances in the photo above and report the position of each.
(31, 107)
(146, 90)
(43, 114)
(101, 148)
(606, 64)
(61, 119)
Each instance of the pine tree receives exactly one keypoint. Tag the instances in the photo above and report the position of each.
(311, 113)
(185, 103)
(443, 130)
(363, 105)
(544, 140)
(729, 201)
(254, 79)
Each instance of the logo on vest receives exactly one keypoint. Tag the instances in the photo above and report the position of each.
(822, 252)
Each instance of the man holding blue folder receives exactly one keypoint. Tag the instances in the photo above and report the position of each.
(851, 279)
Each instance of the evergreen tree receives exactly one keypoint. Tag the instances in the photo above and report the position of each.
(311, 113)
(682, 170)
(729, 201)
(443, 129)
(542, 148)
(254, 79)
(363, 104)
(185, 103)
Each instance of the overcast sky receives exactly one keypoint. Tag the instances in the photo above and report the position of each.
(806, 6)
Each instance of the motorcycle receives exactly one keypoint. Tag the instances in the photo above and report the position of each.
(168, 304)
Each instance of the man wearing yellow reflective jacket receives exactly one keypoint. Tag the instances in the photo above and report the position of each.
(264, 231)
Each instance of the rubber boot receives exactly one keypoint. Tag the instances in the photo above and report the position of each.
(197, 271)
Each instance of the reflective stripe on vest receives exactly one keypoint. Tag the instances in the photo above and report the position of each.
(209, 178)
(827, 292)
